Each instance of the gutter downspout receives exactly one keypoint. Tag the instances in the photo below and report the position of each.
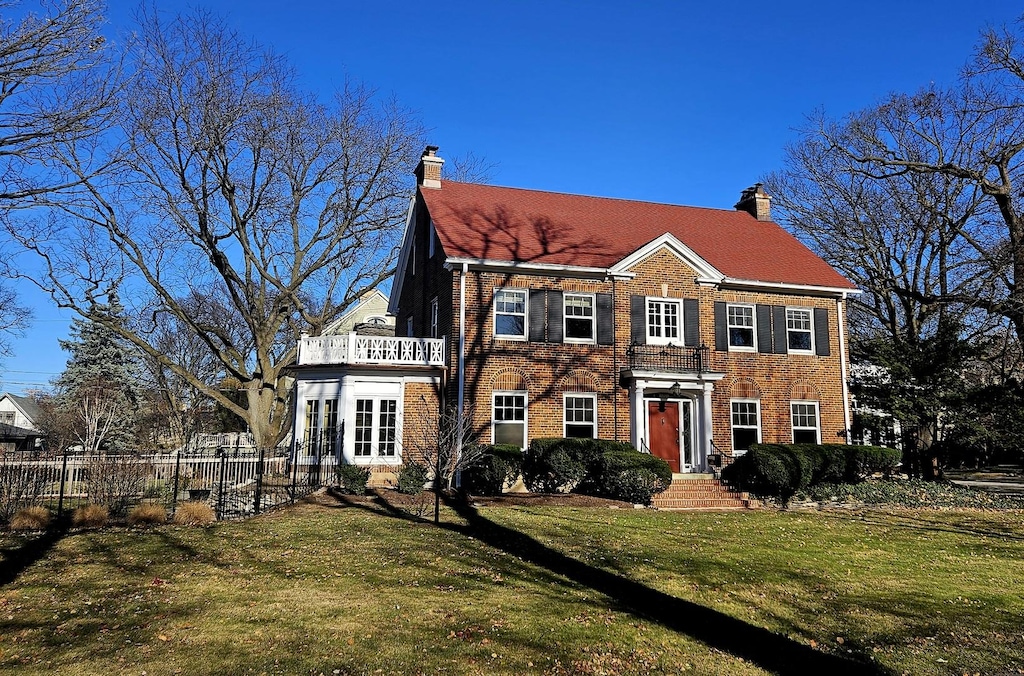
(840, 312)
(462, 345)
(615, 363)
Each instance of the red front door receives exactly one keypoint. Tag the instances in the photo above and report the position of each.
(663, 431)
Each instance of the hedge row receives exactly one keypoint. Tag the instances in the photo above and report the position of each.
(497, 469)
(599, 467)
(780, 470)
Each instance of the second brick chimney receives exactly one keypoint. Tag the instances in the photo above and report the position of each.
(756, 202)
(428, 171)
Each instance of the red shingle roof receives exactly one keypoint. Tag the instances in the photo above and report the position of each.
(512, 224)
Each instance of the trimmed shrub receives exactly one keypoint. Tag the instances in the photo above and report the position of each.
(782, 470)
(498, 466)
(411, 478)
(611, 469)
(31, 518)
(353, 479)
(147, 514)
(629, 476)
(194, 513)
(90, 516)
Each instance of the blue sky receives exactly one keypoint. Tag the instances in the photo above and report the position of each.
(678, 102)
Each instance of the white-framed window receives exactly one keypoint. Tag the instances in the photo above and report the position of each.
(508, 418)
(7, 417)
(376, 427)
(806, 423)
(433, 318)
(375, 320)
(746, 424)
(510, 313)
(312, 429)
(799, 333)
(330, 443)
(740, 320)
(664, 321)
(578, 318)
(580, 417)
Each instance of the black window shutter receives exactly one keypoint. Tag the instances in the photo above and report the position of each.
(638, 319)
(821, 332)
(554, 316)
(779, 329)
(691, 322)
(537, 314)
(721, 327)
(605, 325)
(763, 325)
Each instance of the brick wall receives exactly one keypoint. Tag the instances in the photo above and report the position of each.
(547, 369)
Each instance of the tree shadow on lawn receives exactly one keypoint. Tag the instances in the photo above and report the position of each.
(17, 558)
(766, 649)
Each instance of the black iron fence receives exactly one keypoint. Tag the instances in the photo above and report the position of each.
(236, 482)
(668, 358)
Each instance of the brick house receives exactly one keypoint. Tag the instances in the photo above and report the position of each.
(690, 332)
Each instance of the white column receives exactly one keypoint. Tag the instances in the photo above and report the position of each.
(708, 432)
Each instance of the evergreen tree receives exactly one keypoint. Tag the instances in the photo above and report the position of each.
(99, 386)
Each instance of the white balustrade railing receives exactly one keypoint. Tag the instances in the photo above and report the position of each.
(355, 349)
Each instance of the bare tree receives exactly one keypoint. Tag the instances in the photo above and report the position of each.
(56, 83)
(230, 183)
(448, 444)
(972, 136)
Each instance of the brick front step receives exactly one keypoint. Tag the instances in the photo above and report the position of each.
(685, 493)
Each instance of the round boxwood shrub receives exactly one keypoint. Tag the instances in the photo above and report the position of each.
(498, 466)
(353, 479)
(411, 478)
(629, 476)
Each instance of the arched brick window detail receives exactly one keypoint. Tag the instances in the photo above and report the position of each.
(804, 391)
(745, 389)
(579, 381)
(511, 380)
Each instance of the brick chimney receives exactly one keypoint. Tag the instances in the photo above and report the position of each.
(756, 202)
(428, 171)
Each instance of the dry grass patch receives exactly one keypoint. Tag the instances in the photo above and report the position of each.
(194, 514)
(147, 514)
(30, 518)
(90, 516)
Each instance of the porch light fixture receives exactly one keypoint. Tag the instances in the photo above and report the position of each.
(675, 390)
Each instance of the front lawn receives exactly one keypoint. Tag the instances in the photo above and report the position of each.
(359, 589)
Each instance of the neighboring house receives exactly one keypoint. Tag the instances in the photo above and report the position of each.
(366, 315)
(690, 332)
(19, 430)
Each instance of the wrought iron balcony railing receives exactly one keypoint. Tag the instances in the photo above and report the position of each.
(668, 358)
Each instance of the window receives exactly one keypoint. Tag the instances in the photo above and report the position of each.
(579, 318)
(312, 429)
(376, 428)
(663, 321)
(408, 326)
(741, 327)
(330, 446)
(509, 419)
(746, 424)
(430, 240)
(580, 416)
(798, 330)
(7, 418)
(433, 318)
(805, 422)
(510, 313)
